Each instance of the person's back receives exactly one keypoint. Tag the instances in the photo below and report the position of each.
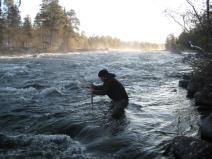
(115, 90)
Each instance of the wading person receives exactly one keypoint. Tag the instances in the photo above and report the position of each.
(115, 91)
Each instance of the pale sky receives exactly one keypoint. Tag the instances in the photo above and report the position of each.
(140, 20)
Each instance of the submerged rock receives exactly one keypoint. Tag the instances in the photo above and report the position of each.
(40, 146)
(183, 147)
(6, 142)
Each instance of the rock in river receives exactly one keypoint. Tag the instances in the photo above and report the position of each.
(184, 147)
(206, 127)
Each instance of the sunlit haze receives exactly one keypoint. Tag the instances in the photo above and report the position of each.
(130, 20)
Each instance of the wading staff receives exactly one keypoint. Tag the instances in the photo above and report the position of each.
(92, 100)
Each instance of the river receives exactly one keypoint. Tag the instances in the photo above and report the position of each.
(46, 106)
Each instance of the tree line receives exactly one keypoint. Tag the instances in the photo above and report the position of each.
(53, 29)
(197, 27)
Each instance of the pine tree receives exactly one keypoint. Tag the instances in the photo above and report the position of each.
(69, 31)
(1, 31)
(12, 22)
(9, 3)
(27, 32)
(51, 21)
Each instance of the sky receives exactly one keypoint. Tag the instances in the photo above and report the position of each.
(129, 20)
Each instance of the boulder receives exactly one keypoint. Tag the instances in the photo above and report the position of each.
(183, 147)
(203, 99)
(6, 142)
(206, 127)
(183, 83)
(192, 88)
(187, 77)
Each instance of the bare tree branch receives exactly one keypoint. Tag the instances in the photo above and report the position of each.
(177, 21)
(195, 11)
(184, 22)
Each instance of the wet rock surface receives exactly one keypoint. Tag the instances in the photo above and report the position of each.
(183, 83)
(39, 146)
(201, 91)
(6, 142)
(183, 147)
(206, 127)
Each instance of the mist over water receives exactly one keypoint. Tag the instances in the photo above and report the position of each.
(46, 106)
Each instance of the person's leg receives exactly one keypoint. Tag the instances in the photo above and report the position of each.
(118, 108)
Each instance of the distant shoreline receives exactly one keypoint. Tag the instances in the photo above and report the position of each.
(33, 51)
(6, 52)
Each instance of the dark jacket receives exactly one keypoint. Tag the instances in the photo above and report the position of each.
(113, 88)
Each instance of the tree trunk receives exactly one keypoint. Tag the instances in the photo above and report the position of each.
(208, 10)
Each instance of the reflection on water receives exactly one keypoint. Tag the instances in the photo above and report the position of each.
(46, 106)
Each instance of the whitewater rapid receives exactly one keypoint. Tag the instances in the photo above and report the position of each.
(46, 112)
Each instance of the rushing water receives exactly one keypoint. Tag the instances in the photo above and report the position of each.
(45, 106)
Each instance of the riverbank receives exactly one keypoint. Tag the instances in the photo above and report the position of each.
(20, 51)
(198, 84)
(199, 88)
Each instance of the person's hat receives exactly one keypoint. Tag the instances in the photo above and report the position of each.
(105, 72)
